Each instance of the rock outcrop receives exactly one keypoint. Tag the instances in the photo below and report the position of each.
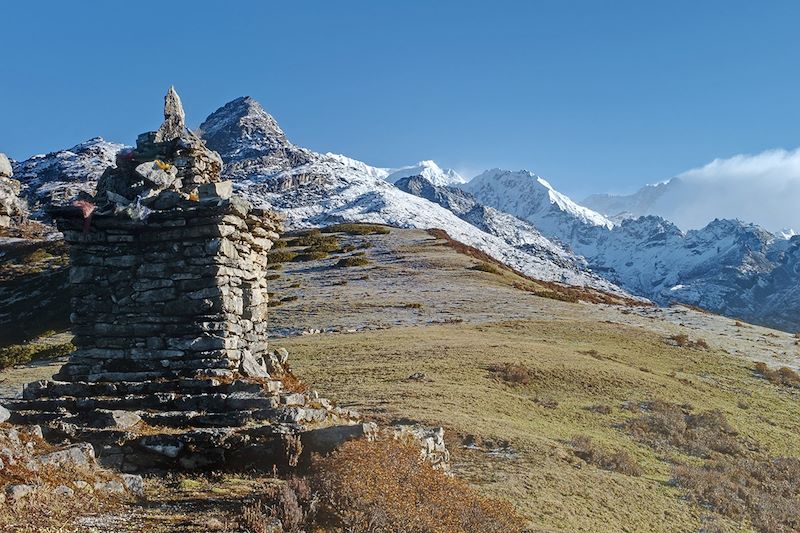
(12, 207)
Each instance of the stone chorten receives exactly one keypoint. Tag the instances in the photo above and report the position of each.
(169, 305)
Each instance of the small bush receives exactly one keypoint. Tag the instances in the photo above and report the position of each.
(617, 461)
(600, 409)
(384, 486)
(513, 373)
(357, 229)
(352, 261)
(669, 425)
(546, 402)
(312, 256)
(280, 243)
(683, 341)
(487, 267)
(289, 298)
(782, 376)
(763, 489)
(280, 256)
(272, 277)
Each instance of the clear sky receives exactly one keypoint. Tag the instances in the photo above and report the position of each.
(594, 96)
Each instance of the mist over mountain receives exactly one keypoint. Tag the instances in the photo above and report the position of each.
(762, 188)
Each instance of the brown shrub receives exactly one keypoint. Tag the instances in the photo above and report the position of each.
(683, 341)
(546, 402)
(617, 461)
(483, 266)
(765, 490)
(600, 409)
(385, 486)
(782, 376)
(292, 503)
(513, 373)
(669, 425)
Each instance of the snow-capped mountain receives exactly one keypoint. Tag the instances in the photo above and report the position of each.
(529, 197)
(511, 229)
(722, 267)
(428, 170)
(58, 177)
(329, 188)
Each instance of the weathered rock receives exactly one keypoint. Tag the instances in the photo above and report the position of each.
(160, 175)
(19, 491)
(116, 419)
(4, 414)
(81, 454)
(110, 487)
(134, 484)
(11, 205)
(220, 189)
(64, 491)
(5, 167)
(251, 367)
(174, 118)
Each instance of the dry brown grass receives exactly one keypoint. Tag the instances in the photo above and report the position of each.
(683, 340)
(385, 486)
(766, 491)
(666, 426)
(781, 376)
(512, 373)
(544, 289)
(617, 460)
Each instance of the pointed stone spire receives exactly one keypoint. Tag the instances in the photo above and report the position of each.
(174, 118)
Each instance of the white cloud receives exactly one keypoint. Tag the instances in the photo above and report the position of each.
(762, 188)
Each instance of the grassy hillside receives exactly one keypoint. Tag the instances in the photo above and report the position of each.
(587, 416)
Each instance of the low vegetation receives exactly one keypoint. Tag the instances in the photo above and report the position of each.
(617, 460)
(781, 376)
(512, 373)
(18, 354)
(352, 261)
(280, 256)
(763, 490)
(381, 486)
(310, 256)
(483, 266)
(683, 340)
(357, 229)
(667, 426)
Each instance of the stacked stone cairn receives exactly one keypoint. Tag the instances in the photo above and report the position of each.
(12, 207)
(169, 304)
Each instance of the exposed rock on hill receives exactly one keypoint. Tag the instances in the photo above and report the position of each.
(11, 205)
(59, 177)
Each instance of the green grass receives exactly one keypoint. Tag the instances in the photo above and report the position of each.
(18, 354)
(280, 256)
(352, 261)
(357, 229)
(572, 368)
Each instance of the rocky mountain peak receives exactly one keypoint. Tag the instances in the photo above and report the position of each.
(241, 128)
(250, 141)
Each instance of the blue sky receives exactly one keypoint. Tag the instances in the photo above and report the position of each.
(594, 96)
